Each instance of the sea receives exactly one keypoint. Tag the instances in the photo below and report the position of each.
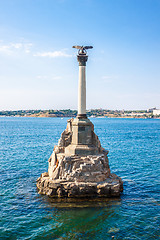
(134, 155)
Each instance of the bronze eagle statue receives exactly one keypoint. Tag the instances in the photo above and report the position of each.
(82, 49)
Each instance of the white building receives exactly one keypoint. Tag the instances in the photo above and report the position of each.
(156, 112)
(151, 109)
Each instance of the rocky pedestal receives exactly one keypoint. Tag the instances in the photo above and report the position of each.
(78, 166)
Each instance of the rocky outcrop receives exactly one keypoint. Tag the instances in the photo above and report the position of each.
(110, 187)
(79, 175)
(82, 168)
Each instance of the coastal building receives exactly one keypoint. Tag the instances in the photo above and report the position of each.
(156, 112)
(150, 110)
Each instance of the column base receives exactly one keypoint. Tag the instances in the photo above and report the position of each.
(81, 116)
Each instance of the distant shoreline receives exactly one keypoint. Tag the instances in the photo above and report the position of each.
(71, 117)
(93, 113)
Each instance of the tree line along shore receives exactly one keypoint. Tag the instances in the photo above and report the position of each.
(73, 113)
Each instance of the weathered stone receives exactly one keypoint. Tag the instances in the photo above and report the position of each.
(104, 190)
(45, 174)
(74, 191)
(52, 192)
(78, 166)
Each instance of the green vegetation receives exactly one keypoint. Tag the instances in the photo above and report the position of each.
(72, 113)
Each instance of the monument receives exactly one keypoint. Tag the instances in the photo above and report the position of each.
(78, 166)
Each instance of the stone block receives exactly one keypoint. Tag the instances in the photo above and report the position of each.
(78, 166)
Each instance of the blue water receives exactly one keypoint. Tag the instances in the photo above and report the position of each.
(134, 154)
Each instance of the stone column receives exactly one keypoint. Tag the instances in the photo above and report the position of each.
(82, 59)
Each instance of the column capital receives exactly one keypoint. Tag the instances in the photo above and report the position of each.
(82, 59)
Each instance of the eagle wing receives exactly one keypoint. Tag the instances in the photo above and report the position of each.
(88, 47)
(78, 47)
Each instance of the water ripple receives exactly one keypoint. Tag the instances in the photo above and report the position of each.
(134, 153)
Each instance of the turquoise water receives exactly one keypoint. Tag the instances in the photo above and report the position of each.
(134, 154)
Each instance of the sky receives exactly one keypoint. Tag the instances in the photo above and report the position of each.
(38, 66)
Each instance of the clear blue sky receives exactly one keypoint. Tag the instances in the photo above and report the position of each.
(38, 67)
